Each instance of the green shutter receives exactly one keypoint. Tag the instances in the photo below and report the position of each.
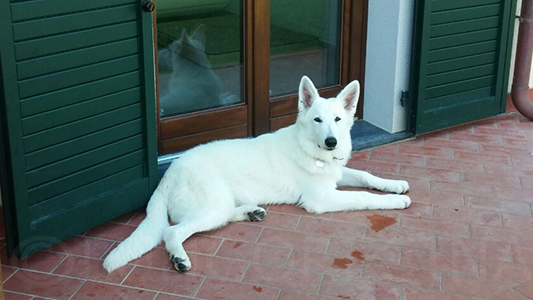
(461, 60)
(77, 115)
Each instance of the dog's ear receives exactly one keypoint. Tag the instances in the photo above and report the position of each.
(198, 35)
(307, 93)
(349, 96)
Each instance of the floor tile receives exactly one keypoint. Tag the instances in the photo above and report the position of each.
(43, 261)
(43, 285)
(364, 250)
(424, 279)
(331, 228)
(324, 263)
(164, 281)
(221, 289)
(346, 287)
(87, 268)
(283, 278)
(297, 240)
(83, 246)
(252, 252)
(96, 290)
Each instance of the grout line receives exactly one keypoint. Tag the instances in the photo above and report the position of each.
(287, 259)
(59, 264)
(245, 271)
(108, 250)
(199, 287)
(71, 296)
(400, 254)
(477, 266)
(297, 223)
(9, 277)
(398, 224)
(362, 269)
(320, 284)
(128, 275)
(440, 281)
(528, 297)
(259, 235)
(364, 233)
(219, 246)
(279, 294)
(24, 294)
(327, 244)
(155, 296)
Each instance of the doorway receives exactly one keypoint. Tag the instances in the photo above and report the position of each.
(231, 68)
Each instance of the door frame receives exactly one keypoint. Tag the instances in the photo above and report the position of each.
(259, 113)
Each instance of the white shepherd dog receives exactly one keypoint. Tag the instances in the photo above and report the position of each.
(225, 181)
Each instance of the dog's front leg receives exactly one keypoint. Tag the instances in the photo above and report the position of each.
(350, 200)
(356, 178)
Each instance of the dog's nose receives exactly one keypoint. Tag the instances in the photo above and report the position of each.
(331, 142)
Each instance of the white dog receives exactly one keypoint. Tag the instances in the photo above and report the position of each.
(225, 181)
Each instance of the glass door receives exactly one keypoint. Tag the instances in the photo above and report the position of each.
(200, 54)
(231, 68)
(314, 40)
(304, 40)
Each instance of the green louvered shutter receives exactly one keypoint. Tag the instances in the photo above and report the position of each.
(461, 60)
(77, 115)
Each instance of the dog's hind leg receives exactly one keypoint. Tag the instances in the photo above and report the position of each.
(356, 178)
(174, 236)
(250, 213)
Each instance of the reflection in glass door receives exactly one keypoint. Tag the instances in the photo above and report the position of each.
(304, 40)
(199, 55)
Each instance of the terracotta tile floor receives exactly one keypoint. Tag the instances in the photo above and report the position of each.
(468, 235)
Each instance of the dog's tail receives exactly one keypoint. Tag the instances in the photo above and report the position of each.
(148, 235)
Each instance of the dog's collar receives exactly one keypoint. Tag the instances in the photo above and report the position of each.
(320, 163)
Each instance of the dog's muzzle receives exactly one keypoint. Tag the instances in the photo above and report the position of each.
(331, 143)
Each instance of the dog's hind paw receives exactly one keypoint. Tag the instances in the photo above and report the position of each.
(180, 264)
(257, 215)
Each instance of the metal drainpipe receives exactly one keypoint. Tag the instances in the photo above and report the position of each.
(524, 49)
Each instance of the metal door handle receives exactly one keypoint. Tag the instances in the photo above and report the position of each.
(148, 6)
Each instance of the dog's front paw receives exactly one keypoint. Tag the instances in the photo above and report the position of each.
(182, 265)
(396, 202)
(405, 200)
(397, 186)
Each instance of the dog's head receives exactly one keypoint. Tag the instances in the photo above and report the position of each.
(327, 120)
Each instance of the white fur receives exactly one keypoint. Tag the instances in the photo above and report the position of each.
(225, 181)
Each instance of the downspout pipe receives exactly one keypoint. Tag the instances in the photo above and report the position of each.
(524, 50)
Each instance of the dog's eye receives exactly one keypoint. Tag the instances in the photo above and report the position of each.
(337, 119)
(318, 120)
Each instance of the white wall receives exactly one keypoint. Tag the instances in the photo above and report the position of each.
(388, 62)
(518, 8)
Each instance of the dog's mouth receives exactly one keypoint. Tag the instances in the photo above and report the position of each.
(327, 149)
